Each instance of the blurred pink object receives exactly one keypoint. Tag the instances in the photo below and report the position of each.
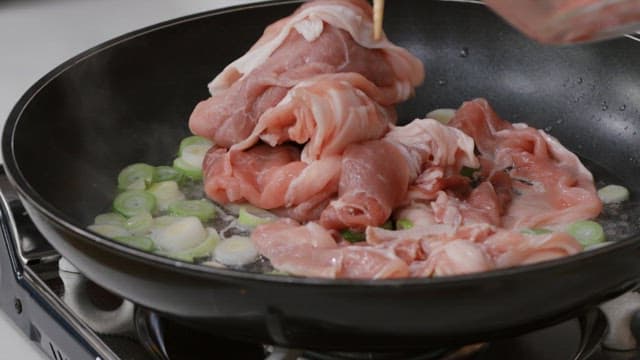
(570, 21)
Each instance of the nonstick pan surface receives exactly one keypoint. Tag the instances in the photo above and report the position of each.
(128, 100)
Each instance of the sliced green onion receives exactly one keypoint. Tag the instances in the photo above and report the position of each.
(132, 202)
(190, 171)
(251, 216)
(611, 194)
(183, 234)
(108, 230)
(166, 173)
(166, 193)
(135, 177)
(442, 115)
(202, 250)
(587, 232)
(202, 209)
(404, 224)
(161, 222)
(164, 221)
(140, 242)
(236, 251)
(194, 154)
(109, 219)
(139, 224)
(194, 140)
(353, 236)
(536, 231)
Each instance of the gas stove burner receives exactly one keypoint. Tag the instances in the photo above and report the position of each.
(166, 340)
(409, 355)
(465, 352)
(578, 339)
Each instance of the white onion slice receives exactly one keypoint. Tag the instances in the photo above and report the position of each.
(182, 234)
(236, 251)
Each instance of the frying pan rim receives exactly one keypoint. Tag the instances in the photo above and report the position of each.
(28, 193)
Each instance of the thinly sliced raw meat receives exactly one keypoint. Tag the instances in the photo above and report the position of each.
(326, 114)
(433, 180)
(511, 248)
(395, 69)
(419, 214)
(438, 249)
(238, 176)
(310, 250)
(376, 174)
(454, 257)
(373, 181)
(550, 184)
(481, 206)
(521, 178)
(477, 119)
(306, 250)
(363, 262)
(321, 37)
(269, 177)
(427, 142)
(436, 153)
(436, 232)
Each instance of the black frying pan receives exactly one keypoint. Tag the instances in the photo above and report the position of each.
(129, 99)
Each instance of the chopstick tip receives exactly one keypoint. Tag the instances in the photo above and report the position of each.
(378, 14)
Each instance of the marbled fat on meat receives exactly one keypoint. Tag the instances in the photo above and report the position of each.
(271, 178)
(373, 181)
(527, 179)
(326, 114)
(552, 186)
(304, 125)
(377, 174)
(310, 250)
(321, 37)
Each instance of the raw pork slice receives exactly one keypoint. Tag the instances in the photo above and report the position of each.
(306, 250)
(326, 113)
(467, 190)
(376, 174)
(310, 250)
(270, 178)
(510, 248)
(321, 37)
(550, 186)
(454, 257)
(373, 181)
(436, 154)
(427, 143)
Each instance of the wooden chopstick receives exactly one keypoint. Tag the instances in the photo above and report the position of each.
(378, 13)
